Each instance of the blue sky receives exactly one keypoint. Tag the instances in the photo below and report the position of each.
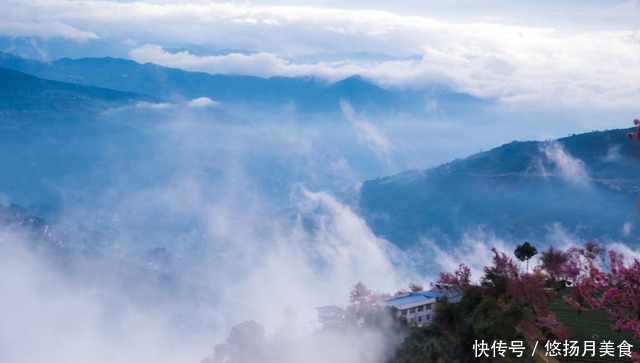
(547, 54)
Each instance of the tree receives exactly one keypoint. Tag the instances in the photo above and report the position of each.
(612, 285)
(524, 252)
(616, 290)
(529, 291)
(585, 271)
(246, 342)
(459, 280)
(361, 300)
(555, 263)
(415, 287)
(498, 274)
(635, 134)
(623, 294)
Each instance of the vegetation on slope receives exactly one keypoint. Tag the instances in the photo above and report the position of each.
(598, 320)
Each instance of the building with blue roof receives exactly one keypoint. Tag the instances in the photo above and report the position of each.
(330, 317)
(418, 307)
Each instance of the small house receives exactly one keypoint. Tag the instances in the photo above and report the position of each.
(330, 317)
(418, 307)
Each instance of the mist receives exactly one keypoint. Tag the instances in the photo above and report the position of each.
(157, 206)
(165, 226)
(48, 316)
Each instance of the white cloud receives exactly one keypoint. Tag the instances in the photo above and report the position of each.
(542, 71)
(536, 169)
(215, 181)
(45, 29)
(258, 257)
(368, 134)
(613, 154)
(51, 317)
(628, 252)
(568, 168)
(202, 102)
(154, 105)
(529, 63)
(258, 64)
(626, 229)
(474, 250)
(558, 235)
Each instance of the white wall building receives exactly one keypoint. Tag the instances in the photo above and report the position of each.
(418, 307)
(330, 317)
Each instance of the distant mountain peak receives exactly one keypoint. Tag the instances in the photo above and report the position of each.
(307, 93)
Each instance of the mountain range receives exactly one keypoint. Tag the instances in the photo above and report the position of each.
(582, 187)
(24, 93)
(64, 122)
(309, 95)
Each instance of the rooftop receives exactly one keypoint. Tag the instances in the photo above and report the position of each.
(409, 298)
(330, 309)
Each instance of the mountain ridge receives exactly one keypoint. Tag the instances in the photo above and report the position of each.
(517, 191)
(22, 92)
(308, 93)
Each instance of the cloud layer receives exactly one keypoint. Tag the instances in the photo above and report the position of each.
(517, 59)
(204, 191)
(567, 167)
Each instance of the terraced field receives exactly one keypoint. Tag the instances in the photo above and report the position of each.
(587, 325)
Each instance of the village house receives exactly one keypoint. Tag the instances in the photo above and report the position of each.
(330, 317)
(418, 307)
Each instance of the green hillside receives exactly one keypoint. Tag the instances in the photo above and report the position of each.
(584, 326)
(584, 184)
